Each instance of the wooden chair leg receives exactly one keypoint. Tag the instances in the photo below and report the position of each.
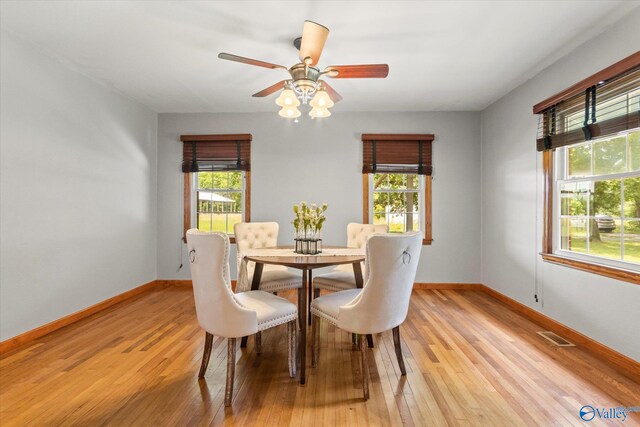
(370, 340)
(243, 342)
(316, 292)
(258, 342)
(310, 296)
(293, 351)
(208, 341)
(396, 343)
(315, 340)
(300, 304)
(365, 368)
(231, 370)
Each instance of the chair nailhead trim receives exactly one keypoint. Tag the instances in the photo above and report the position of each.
(330, 287)
(294, 316)
(279, 317)
(326, 316)
(279, 285)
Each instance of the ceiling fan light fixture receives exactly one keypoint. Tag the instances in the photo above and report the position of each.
(319, 112)
(289, 112)
(287, 98)
(321, 100)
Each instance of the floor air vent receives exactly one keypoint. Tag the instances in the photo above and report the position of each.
(556, 339)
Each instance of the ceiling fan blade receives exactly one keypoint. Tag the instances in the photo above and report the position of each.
(335, 96)
(313, 37)
(271, 89)
(236, 58)
(370, 71)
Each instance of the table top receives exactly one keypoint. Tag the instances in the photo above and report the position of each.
(306, 262)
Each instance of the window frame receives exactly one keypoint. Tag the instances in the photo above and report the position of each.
(367, 197)
(194, 200)
(189, 201)
(561, 176)
(550, 231)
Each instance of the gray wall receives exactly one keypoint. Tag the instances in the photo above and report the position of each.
(320, 161)
(604, 309)
(77, 191)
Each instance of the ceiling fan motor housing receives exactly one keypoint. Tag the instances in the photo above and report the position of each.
(304, 80)
(303, 72)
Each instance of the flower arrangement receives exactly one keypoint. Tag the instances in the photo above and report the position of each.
(307, 224)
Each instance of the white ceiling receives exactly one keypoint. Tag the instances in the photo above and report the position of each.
(456, 55)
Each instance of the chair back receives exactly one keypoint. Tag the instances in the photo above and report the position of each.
(254, 235)
(357, 234)
(391, 264)
(217, 310)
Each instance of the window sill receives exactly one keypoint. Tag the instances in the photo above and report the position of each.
(602, 270)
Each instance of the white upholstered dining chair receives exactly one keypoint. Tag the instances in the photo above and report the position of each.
(342, 277)
(256, 235)
(223, 313)
(383, 303)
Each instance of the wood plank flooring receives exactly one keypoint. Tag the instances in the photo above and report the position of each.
(470, 361)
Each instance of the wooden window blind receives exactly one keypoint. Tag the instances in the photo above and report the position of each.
(601, 105)
(216, 153)
(397, 153)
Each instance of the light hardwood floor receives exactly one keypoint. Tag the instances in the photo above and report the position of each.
(470, 361)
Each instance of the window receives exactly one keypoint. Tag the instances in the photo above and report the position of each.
(397, 200)
(590, 138)
(598, 200)
(218, 200)
(217, 181)
(397, 182)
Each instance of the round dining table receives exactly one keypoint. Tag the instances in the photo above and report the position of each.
(305, 263)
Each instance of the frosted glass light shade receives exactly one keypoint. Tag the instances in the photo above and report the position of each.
(317, 112)
(321, 100)
(289, 112)
(287, 98)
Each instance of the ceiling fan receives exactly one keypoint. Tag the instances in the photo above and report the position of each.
(305, 84)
